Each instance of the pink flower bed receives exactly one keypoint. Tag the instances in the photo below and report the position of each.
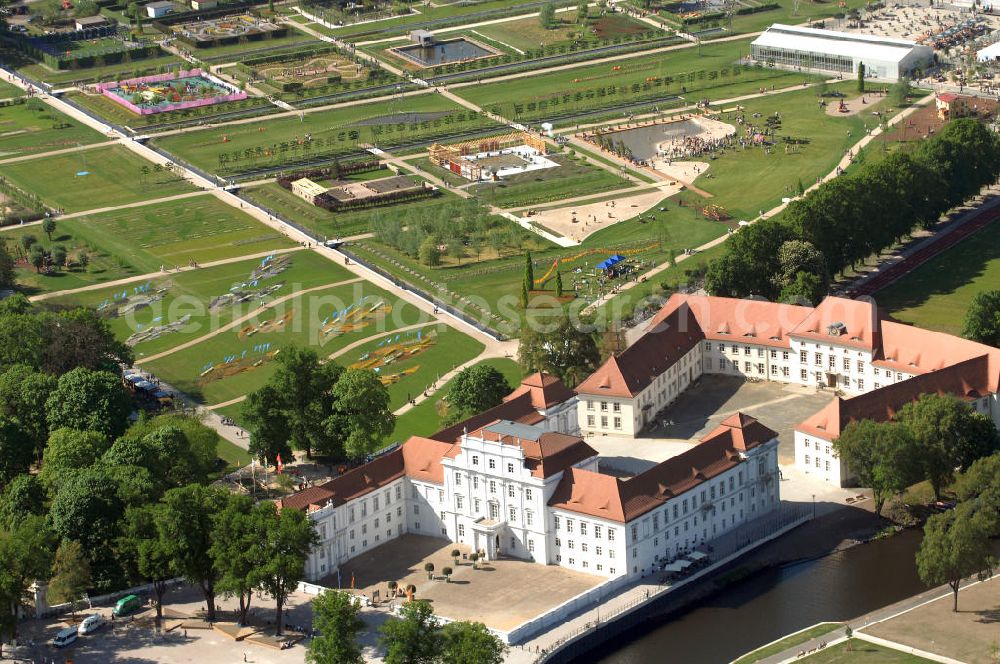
(109, 90)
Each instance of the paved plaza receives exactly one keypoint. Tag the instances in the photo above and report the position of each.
(501, 594)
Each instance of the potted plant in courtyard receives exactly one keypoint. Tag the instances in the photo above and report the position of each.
(392, 588)
(411, 592)
(447, 574)
(456, 554)
(429, 568)
(474, 557)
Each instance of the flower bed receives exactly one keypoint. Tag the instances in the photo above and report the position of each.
(177, 91)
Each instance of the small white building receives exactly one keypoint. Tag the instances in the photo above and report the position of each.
(159, 8)
(885, 58)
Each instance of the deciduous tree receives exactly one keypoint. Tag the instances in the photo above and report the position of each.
(414, 638)
(69, 452)
(288, 539)
(361, 416)
(25, 556)
(881, 455)
(471, 643)
(475, 389)
(70, 574)
(240, 530)
(90, 400)
(24, 496)
(336, 616)
(982, 319)
(956, 545)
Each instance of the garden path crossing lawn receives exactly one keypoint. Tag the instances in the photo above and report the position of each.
(140, 240)
(588, 82)
(937, 294)
(35, 127)
(748, 181)
(862, 652)
(303, 318)
(203, 148)
(572, 177)
(90, 179)
(191, 293)
(423, 419)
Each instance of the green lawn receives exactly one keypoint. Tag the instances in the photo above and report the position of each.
(787, 642)
(102, 177)
(135, 241)
(9, 90)
(232, 454)
(108, 73)
(330, 130)
(528, 33)
(233, 51)
(34, 128)
(573, 177)
(937, 294)
(424, 419)
(856, 651)
(305, 313)
(400, 24)
(695, 73)
(117, 114)
(191, 293)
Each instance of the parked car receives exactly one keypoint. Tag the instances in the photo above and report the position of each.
(64, 637)
(91, 624)
(126, 605)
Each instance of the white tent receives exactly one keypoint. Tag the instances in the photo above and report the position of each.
(991, 52)
(697, 555)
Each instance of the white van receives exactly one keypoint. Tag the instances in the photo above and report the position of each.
(90, 624)
(64, 637)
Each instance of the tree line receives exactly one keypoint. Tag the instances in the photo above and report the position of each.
(851, 217)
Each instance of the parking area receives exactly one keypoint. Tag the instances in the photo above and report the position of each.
(501, 594)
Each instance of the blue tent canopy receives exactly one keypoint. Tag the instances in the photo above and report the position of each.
(610, 262)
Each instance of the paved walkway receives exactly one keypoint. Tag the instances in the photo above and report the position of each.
(162, 273)
(54, 153)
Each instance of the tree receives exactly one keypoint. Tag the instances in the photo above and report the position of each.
(25, 556)
(90, 400)
(49, 227)
(151, 549)
(84, 8)
(361, 417)
(236, 549)
(582, 13)
(59, 256)
(81, 338)
(559, 284)
(456, 555)
(900, 91)
(27, 241)
(948, 434)
(23, 392)
(471, 643)
(861, 77)
(336, 616)
(429, 252)
(200, 444)
(165, 452)
(37, 258)
(529, 271)
(476, 389)
(264, 418)
(566, 351)
(70, 574)
(796, 256)
(16, 450)
(429, 568)
(881, 455)
(807, 289)
(68, 452)
(6, 267)
(413, 639)
(186, 521)
(289, 538)
(24, 496)
(956, 545)
(547, 15)
(982, 320)
(447, 571)
(87, 509)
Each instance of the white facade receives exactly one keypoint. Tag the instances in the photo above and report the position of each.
(884, 58)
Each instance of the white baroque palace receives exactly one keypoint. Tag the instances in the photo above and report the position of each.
(519, 480)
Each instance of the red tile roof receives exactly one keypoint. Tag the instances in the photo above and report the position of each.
(548, 454)
(947, 97)
(842, 321)
(969, 379)
(545, 389)
(610, 498)
(352, 484)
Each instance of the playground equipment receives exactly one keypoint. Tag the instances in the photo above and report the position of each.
(156, 331)
(355, 317)
(247, 360)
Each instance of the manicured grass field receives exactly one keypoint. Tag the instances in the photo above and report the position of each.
(857, 651)
(528, 33)
(696, 73)
(423, 419)
(108, 73)
(191, 293)
(233, 455)
(573, 177)
(9, 90)
(135, 241)
(90, 179)
(306, 315)
(35, 127)
(118, 114)
(329, 129)
(937, 294)
(233, 51)
(399, 25)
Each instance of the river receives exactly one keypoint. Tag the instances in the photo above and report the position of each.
(772, 603)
